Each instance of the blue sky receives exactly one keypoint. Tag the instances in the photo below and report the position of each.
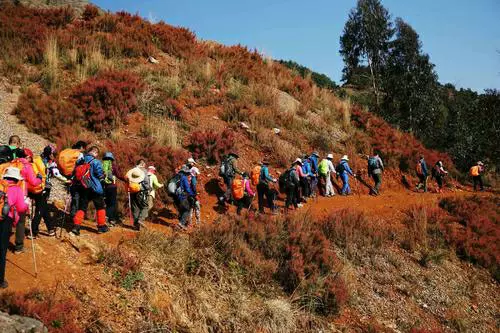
(462, 37)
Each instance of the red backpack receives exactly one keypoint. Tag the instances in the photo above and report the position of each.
(83, 174)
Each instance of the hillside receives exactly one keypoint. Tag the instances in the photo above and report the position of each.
(400, 262)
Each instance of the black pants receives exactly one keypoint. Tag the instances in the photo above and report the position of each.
(439, 180)
(478, 180)
(20, 231)
(41, 211)
(75, 196)
(264, 191)
(377, 178)
(291, 197)
(304, 185)
(243, 203)
(184, 207)
(5, 227)
(110, 198)
(87, 195)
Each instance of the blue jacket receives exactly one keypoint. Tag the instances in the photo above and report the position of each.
(96, 172)
(306, 168)
(187, 191)
(424, 167)
(314, 163)
(347, 169)
(264, 175)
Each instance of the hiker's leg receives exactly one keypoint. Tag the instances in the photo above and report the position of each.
(475, 182)
(36, 200)
(20, 232)
(151, 202)
(45, 210)
(329, 185)
(425, 184)
(98, 200)
(185, 207)
(239, 204)
(260, 196)
(378, 180)
(345, 183)
(136, 210)
(111, 194)
(83, 202)
(75, 197)
(5, 227)
(229, 183)
(197, 211)
(481, 186)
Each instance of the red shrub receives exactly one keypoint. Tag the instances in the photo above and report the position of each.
(179, 42)
(47, 115)
(58, 17)
(175, 109)
(58, 314)
(211, 145)
(90, 12)
(474, 229)
(105, 100)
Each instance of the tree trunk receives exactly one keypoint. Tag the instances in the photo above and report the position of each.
(374, 83)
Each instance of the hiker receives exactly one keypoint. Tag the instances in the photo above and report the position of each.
(476, 172)
(16, 205)
(67, 160)
(422, 174)
(154, 184)
(12, 150)
(139, 189)
(245, 200)
(375, 169)
(306, 181)
(438, 173)
(343, 170)
(325, 171)
(29, 179)
(87, 182)
(301, 188)
(196, 207)
(228, 170)
(111, 174)
(185, 197)
(314, 171)
(263, 189)
(45, 166)
(291, 185)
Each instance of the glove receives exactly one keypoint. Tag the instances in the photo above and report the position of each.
(39, 176)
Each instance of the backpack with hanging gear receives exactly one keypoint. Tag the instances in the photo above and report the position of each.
(418, 169)
(255, 175)
(436, 172)
(16, 163)
(4, 203)
(67, 161)
(474, 171)
(7, 154)
(39, 168)
(174, 184)
(107, 167)
(83, 173)
(286, 180)
(373, 163)
(238, 189)
(323, 168)
(340, 168)
(226, 168)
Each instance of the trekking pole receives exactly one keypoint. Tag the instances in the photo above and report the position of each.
(130, 209)
(33, 241)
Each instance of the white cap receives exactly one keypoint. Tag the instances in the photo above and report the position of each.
(298, 160)
(151, 167)
(12, 172)
(345, 158)
(191, 161)
(330, 156)
(195, 171)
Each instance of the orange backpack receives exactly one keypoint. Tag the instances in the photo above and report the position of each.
(39, 168)
(419, 169)
(474, 171)
(15, 164)
(67, 161)
(4, 206)
(134, 187)
(255, 175)
(238, 189)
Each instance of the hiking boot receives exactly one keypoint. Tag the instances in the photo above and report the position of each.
(182, 226)
(111, 223)
(32, 237)
(51, 233)
(19, 251)
(300, 205)
(75, 231)
(102, 229)
(4, 284)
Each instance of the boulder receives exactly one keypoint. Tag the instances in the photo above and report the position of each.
(18, 324)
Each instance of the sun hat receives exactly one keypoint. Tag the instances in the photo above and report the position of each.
(329, 156)
(264, 162)
(345, 158)
(315, 154)
(13, 173)
(135, 175)
(480, 163)
(194, 171)
(234, 154)
(108, 156)
(298, 161)
(191, 161)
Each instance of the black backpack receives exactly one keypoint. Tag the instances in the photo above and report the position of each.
(340, 168)
(286, 180)
(6, 154)
(226, 168)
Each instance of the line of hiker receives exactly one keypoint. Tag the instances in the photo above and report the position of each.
(26, 181)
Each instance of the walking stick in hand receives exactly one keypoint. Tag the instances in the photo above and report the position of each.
(33, 240)
(130, 209)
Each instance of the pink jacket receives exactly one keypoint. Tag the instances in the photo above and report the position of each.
(15, 197)
(301, 173)
(248, 189)
(29, 175)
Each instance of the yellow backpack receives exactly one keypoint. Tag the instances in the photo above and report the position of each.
(39, 168)
(474, 171)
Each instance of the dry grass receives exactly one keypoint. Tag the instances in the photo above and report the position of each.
(163, 130)
(51, 64)
(93, 62)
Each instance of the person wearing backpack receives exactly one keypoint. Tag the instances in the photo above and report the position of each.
(291, 186)
(263, 190)
(228, 170)
(375, 169)
(185, 197)
(248, 194)
(313, 180)
(12, 205)
(154, 184)
(111, 174)
(300, 189)
(196, 207)
(325, 171)
(139, 189)
(422, 174)
(438, 173)
(12, 150)
(343, 170)
(66, 161)
(306, 181)
(88, 179)
(476, 172)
